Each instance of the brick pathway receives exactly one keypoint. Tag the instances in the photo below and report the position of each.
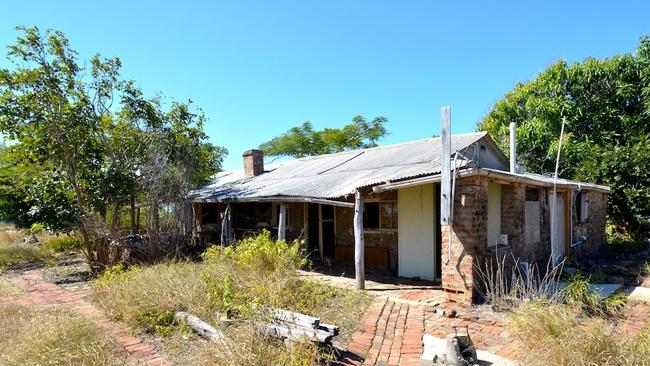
(39, 292)
(391, 333)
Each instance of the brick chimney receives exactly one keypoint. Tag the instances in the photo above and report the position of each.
(253, 162)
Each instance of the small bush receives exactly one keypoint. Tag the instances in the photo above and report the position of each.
(52, 337)
(620, 241)
(552, 334)
(64, 243)
(261, 252)
(36, 228)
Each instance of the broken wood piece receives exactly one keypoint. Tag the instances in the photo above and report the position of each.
(333, 329)
(298, 334)
(284, 316)
(201, 328)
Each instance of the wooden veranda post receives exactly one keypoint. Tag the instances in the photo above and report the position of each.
(358, 241)
(282, 222)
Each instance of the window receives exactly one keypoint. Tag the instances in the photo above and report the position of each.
(388, 219)
(581, 206)
(371, 215)
(380, 215)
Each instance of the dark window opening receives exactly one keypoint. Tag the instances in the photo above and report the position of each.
(371, 215)
(532, 195)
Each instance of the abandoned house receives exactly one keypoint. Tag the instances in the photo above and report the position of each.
(396, 192)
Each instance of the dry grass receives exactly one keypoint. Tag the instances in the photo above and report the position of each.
(505, 284)
(556, 334)
(13, 254)
(33, 336)
(9, 234)
(258, 272)
(8, 289)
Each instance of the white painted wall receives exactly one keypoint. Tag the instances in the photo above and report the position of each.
(416, 231)
(494, 213)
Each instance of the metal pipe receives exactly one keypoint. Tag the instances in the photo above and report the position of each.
(513, 147)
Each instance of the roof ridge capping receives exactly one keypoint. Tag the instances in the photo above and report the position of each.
(478, 133)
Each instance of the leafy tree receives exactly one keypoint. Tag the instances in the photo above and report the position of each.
(81, 136)
(606, 104)
(305, 141)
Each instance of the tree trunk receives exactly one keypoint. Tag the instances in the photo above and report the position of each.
(134, 225)
(154, 232)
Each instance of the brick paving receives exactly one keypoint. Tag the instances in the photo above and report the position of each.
(39, 292)
(391, 333)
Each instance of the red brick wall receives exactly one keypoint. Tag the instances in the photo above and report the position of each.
(469, 238)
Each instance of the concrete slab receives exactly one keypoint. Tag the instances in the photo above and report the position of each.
(434, 348)
(639, 293)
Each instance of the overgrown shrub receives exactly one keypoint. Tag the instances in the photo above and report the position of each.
(261, 252)
(37, 336)
(620, 241)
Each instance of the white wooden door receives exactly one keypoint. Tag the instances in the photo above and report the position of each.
(416, 232)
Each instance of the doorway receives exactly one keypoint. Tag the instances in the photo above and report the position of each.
(321, 238)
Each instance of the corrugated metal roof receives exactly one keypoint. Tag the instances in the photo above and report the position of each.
(334, 175)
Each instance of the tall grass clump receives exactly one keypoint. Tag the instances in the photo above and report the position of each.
(557, 334)
(237, 281)
(37, 336)
(14, 254)
(64, 243)
(505, 283)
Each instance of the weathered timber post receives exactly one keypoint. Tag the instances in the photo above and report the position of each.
(358, 241)
(445, 175)
(282, 222)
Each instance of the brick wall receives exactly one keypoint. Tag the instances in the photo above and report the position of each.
(593, 230)
(469, 238)
(376, 238)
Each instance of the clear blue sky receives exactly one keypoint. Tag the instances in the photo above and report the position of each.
(259, 68)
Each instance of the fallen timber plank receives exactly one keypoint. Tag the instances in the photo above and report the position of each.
(298, 334)
(333, 329)
(202, 328)
(280, 316)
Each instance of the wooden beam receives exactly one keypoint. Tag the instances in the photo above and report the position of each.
(358, 241)
(445, 172)
(282, 222)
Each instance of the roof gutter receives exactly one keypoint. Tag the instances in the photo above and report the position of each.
(484, 172)
(282, 199)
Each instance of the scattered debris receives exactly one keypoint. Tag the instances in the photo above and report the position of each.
(298, 327)
(201, 328)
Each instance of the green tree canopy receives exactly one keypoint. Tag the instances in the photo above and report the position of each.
(606, 104)
(82, 138)
(305, 141)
